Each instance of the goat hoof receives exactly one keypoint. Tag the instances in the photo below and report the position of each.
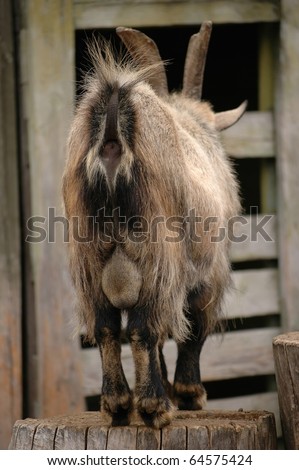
(189, 396)
(155, 412)
(118, 409)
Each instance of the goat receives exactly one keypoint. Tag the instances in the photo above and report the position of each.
(148, 167)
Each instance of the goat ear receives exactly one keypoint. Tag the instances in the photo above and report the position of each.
(229, 118)
(146, 53)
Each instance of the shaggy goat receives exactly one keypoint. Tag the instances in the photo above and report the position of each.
(147, 188)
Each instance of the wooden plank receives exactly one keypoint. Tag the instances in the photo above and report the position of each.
(286, 115)
(252, 136)
(235, 354)
(286, 356)
(105, 14)
(10, 256)
(47, 93)
(247, 244)
(254, 293)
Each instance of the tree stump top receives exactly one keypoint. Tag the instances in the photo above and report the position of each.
(291, 338)
(189, 430)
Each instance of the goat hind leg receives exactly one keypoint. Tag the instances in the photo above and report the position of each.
(116, 398)
(189, 393)
(153, 404)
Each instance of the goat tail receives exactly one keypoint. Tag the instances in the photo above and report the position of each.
(111, 149)
(111, 133)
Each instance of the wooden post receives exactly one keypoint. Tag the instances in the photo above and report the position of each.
(46, 47)
(286, 117)
(189, 430)
(286, 356)
(10, 257)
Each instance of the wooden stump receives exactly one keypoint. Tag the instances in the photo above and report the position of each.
(189, 430)
(286, 357)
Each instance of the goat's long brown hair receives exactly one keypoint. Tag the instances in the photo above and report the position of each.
(150, 191)
(171, 162)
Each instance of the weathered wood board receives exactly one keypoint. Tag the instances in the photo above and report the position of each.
(53, 378)
(103, 13)
(189, 430)
(10, 238)
(252, 136)
(249, 242)
(286, 356)
(287, 140)
(254, 293)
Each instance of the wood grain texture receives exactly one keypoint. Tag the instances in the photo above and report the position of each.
(194, 430)
(254, 293)
(287, 137)
(248, 245)
(105, 14)
(47, 93)
(10, 255)
(23, 434)
(123, 437)
(97, 437)
(148, 438)
(198, 437)
(174, 436)
(70, 437)
(252, 136)
(286, 356)
(44, 437)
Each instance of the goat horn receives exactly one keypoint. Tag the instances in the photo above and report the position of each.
(226, 119)
(195, 61)
(145, 51)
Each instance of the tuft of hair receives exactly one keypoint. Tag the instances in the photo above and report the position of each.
(111, 65)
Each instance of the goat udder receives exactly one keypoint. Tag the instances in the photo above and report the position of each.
(121, 281)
